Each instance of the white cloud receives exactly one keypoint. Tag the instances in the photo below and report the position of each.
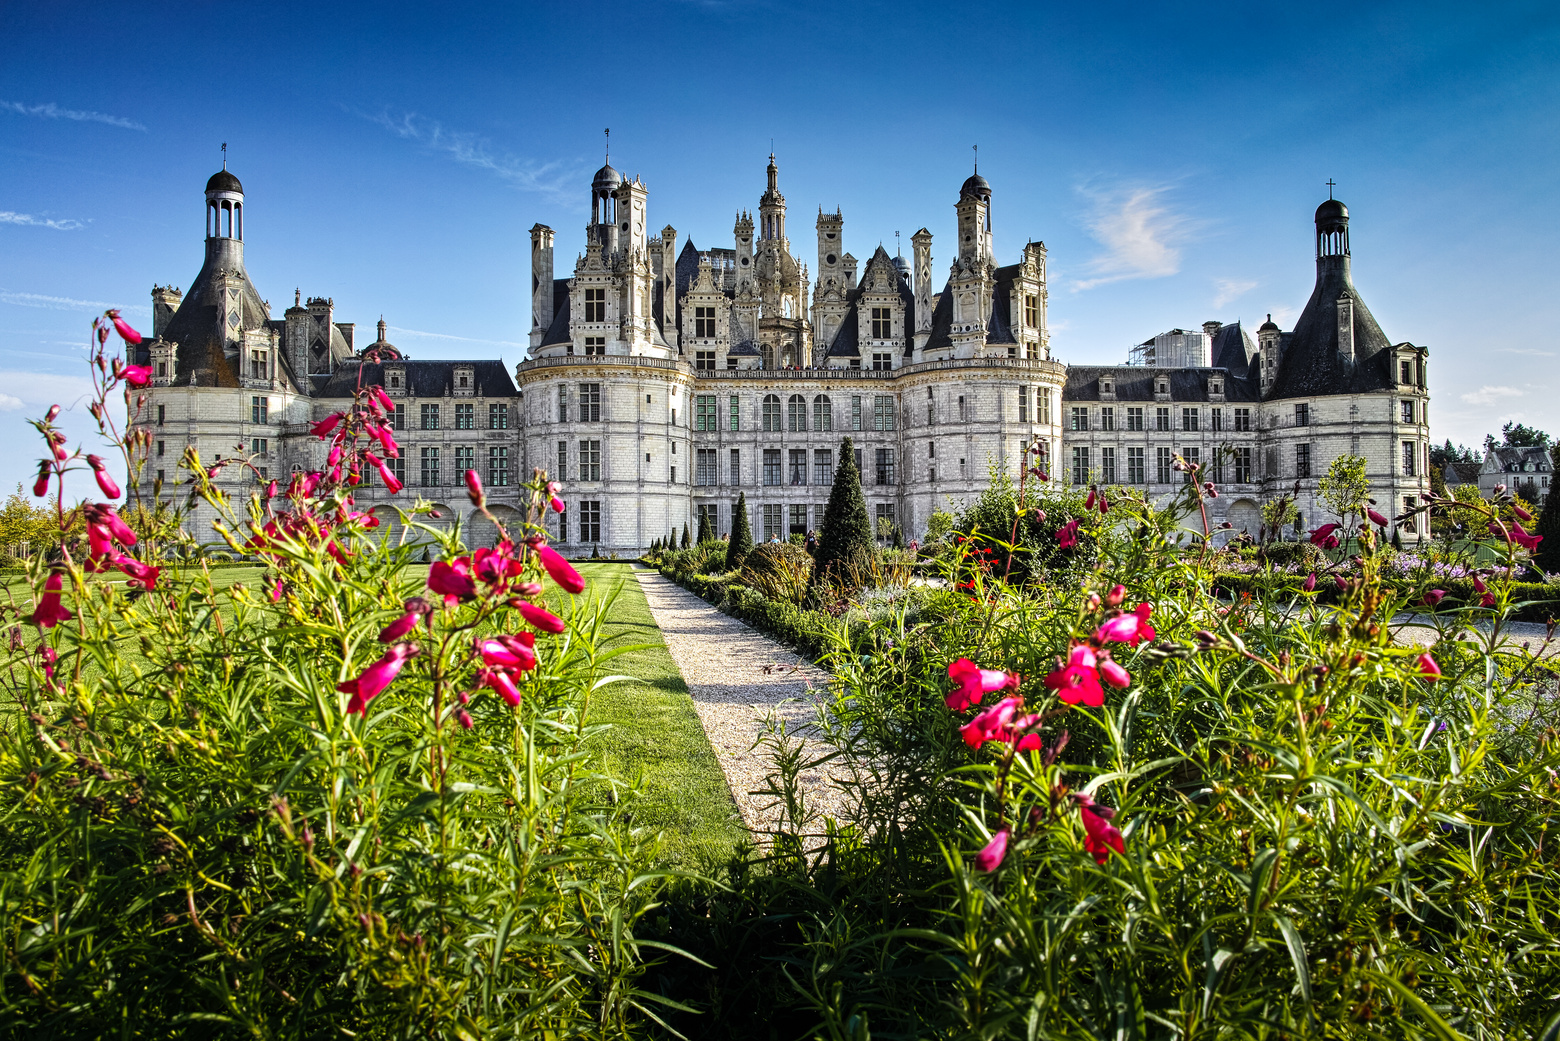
(1230, 289)
(414, 333)
(556, 178)
(11, 217)
(9, 404)
(1530, 352)
(1139, 233)
(1488, 395)
(63, 303)
(52, 111)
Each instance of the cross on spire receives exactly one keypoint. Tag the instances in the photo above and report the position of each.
(1331, 184)
(224, 155)
(608, 133)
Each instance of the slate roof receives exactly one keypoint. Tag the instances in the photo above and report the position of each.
(1517, 460)
(942, 320)
(1311, 365)
(1232, 349)
(424, 379)
(198, 328)
(1461, 473)
(745, 349)
(558, 331)
(1136, 383)
(999, 327)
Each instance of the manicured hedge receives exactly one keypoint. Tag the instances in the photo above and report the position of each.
(1539, 602)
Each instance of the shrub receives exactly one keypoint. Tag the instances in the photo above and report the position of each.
(741, 543)
(780, 571)
(845, 544)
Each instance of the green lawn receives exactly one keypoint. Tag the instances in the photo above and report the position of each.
(656, 736)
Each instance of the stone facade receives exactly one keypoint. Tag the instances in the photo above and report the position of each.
(664, 382)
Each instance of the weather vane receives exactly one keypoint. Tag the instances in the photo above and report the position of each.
(224, 155)
(608, 132)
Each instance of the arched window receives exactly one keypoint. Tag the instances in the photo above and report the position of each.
(767, 353)
(823, 413)
(771, 412)
(796, 414)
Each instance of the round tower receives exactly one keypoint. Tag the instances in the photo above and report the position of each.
(225, 220)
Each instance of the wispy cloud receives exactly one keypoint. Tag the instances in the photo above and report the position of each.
(1531, 352)
(1227, 289)
(555, 178)
(9, 404)
(1488, 395)
(417, 333)
(52, 111)
(11, 217)
(63, 303)
(1141, 236)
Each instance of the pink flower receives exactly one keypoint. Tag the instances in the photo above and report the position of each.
(1324, 536)
(126, 333)
(276, 592)
(560, 569)
(1123, 628)
(400, 627)
(1104, 504)
(556, 504)
(392, 483)
(1079, 681)
(1487, 600)
(143, 573)
(1428, 668)
(1114, 674)
(1144, 630)
(452, 580)
(1310, 583)
(541, 618)
(1478, 584)
(137, 375)
(1435, 596)
(41, 485)
(502, 684)
(463, 718)
(1117, 594)
(990, 724)
(474, 487)
(50, 612)
(383, 399)
(374, 679)
(1100, 835)
(336, 452)
(506, 653)
(1088, 504)
(105, 479)
(974, 682)
(1520, 512)
(271, 490)
(990, 858)
(1526, 541)
(1377, 519)
(1067, 535)
(326, 425)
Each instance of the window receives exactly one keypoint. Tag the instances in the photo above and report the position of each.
(498, 417)
(1302, 415)
(823, 466)
(823, 413)
(712, 512)
(1134, 418)
(1108, 465)
(161, 445)
(1023, 404)
(590, 403)
(1043, 397)
(259, 410)
(1161, 418)
(1241, 464)
(1408, 411)
(595, 345)
(430, 467)
(1162, 387)
(1407, 370)
(498, 466)
(162, 369)
(1215, 386)
(398, 418)
(882, 325)
(1242, 420)
(465, 459)
(430, 417)
(771, 466)
(885, 466)
(398, 467)
(595, 305)
(257, 365)
(1193, 457)
(563, 461)
(771, 412)
(590, 521)
(885, 512)
(772, 520)
(883, 412)
(704, 322)
(796, 414)
(1189, 419)
(162, 414)
(258, 445)
(563, 404)
(705, 414)
(964, 416)
(1135, 473)
(1302, 460)
(1080, 464)
(861, 475)
(1162, 466)
(590, 461)
(855, 411)
(1107, 417)
(1408, 458)
(1080, 417)
(735, 476)
(882, 362)
(704, 466)
(1031, 311)
(798, 519)
(1216, 419)
(798, 467)
(704, 360)
(736, 414)
(465, 417)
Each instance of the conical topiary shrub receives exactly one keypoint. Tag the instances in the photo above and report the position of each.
(845, 545)
(741, 535)
(686, 542)
(706, 533)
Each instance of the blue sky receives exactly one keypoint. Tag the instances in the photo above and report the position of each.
(394, 157)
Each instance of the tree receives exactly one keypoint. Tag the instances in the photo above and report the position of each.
(845, 544)
(1548, 554)
(706, 533)
(741, 535)
(685, 540)
(22, 521)
(1345, 487)
(1517, 435)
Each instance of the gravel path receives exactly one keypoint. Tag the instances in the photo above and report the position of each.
(739, 679)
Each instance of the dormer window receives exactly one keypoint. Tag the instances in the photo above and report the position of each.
(1216, 387)
(395, 379)
(1162, 387)
(1107, 386)
(464, 381)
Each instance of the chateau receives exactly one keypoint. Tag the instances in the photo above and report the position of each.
(662, 382)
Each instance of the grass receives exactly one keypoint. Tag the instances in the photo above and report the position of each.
(656, 740)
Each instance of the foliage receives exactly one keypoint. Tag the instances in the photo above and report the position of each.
(1548, 528)
(21, 521)
(686, 541)
(1278, 514)
(939, 525)
(1344, 488)
(845, 543)
(706, 532)
(779, 571)
(741, 543)
(1518, 435)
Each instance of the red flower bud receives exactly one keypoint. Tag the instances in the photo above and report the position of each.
(474, 488)
(126, 333)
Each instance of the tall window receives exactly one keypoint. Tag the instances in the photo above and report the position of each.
(798, 518)
(430, 417)
(1406, 372)
(257, 365)
(590, 460)
(498, 417)
(1043, 396)
(1193, 457)
(430, 467)
(498, 466)
(736, 414)
(1240, 464)
(1080, 417)
(563, 404)
(823, 466)
(796, 414)
(823, 413)
(1162, 466)
(1302, 414)
(735, 474)
(882, 324)
(1023, 404)
(465, 417)
(1216, 419)
(771, 466)
(1161, 418)
(855, 411)
(798, 467)
(1135, 473)
(883, 412)
(1080, 464)
(884, 512)
(162, 413)
(259, 445)
(562, 473)
(398, 418)
(1031, 311)
(1408, 458)
(704, 466)
(1108, 465)
(398, 467)
(1134, 417)
(882, 361)
(1302, 460)
(771, 412)
(590, 403)
(590, 521)
(704, 360)
(1189, 419)
(885, 466)
(259, 410)
(1407, 411)
(705, 414)
(465, 459)
(772, 521)
(704, 322)
(1107, 417)
(595, 345)
(595, 305)
(1242, 420)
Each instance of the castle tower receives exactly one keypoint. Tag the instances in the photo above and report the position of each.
(541, 282)
(973, 278)
(771, 208)
(165, 303)
(603, 229)
(974, 209)
(921, 246)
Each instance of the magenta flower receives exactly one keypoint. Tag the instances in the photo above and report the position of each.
(1377, 519)
(1100, 835)
(974, 682)
(541, 618)
(474, 487)
(1114, 674)
(1123, 628)
(452, 580)
(392, 482)
(1324, 536)
(560, 569)
(1434, 597)
(990, 724)
(1428, 668)
(463, 718)
(276, 592)
(1067, 535)
(400, 627)
(41, 485)
(378, 395)
(105, 479)
(141, 572)
(990, 858)
(1088, 504)
(126, 333)
(1487, 600)
(502, 684)
(1079, 680)
(326, 425)
(50, 611)
(1117, 594)
(508, 654)
(1520, 512)
(104, 517)
(1310, 583)
(137, 375)
(1478, 584)
(373, 680)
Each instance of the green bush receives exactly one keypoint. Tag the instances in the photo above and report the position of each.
(779, 570)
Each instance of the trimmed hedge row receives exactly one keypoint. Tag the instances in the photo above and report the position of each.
(798, 627)
(1539, 602)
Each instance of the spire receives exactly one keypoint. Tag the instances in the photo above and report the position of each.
(977, 157)
(774, 173)
(608, 156)
(381, 328)
(224, 155)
